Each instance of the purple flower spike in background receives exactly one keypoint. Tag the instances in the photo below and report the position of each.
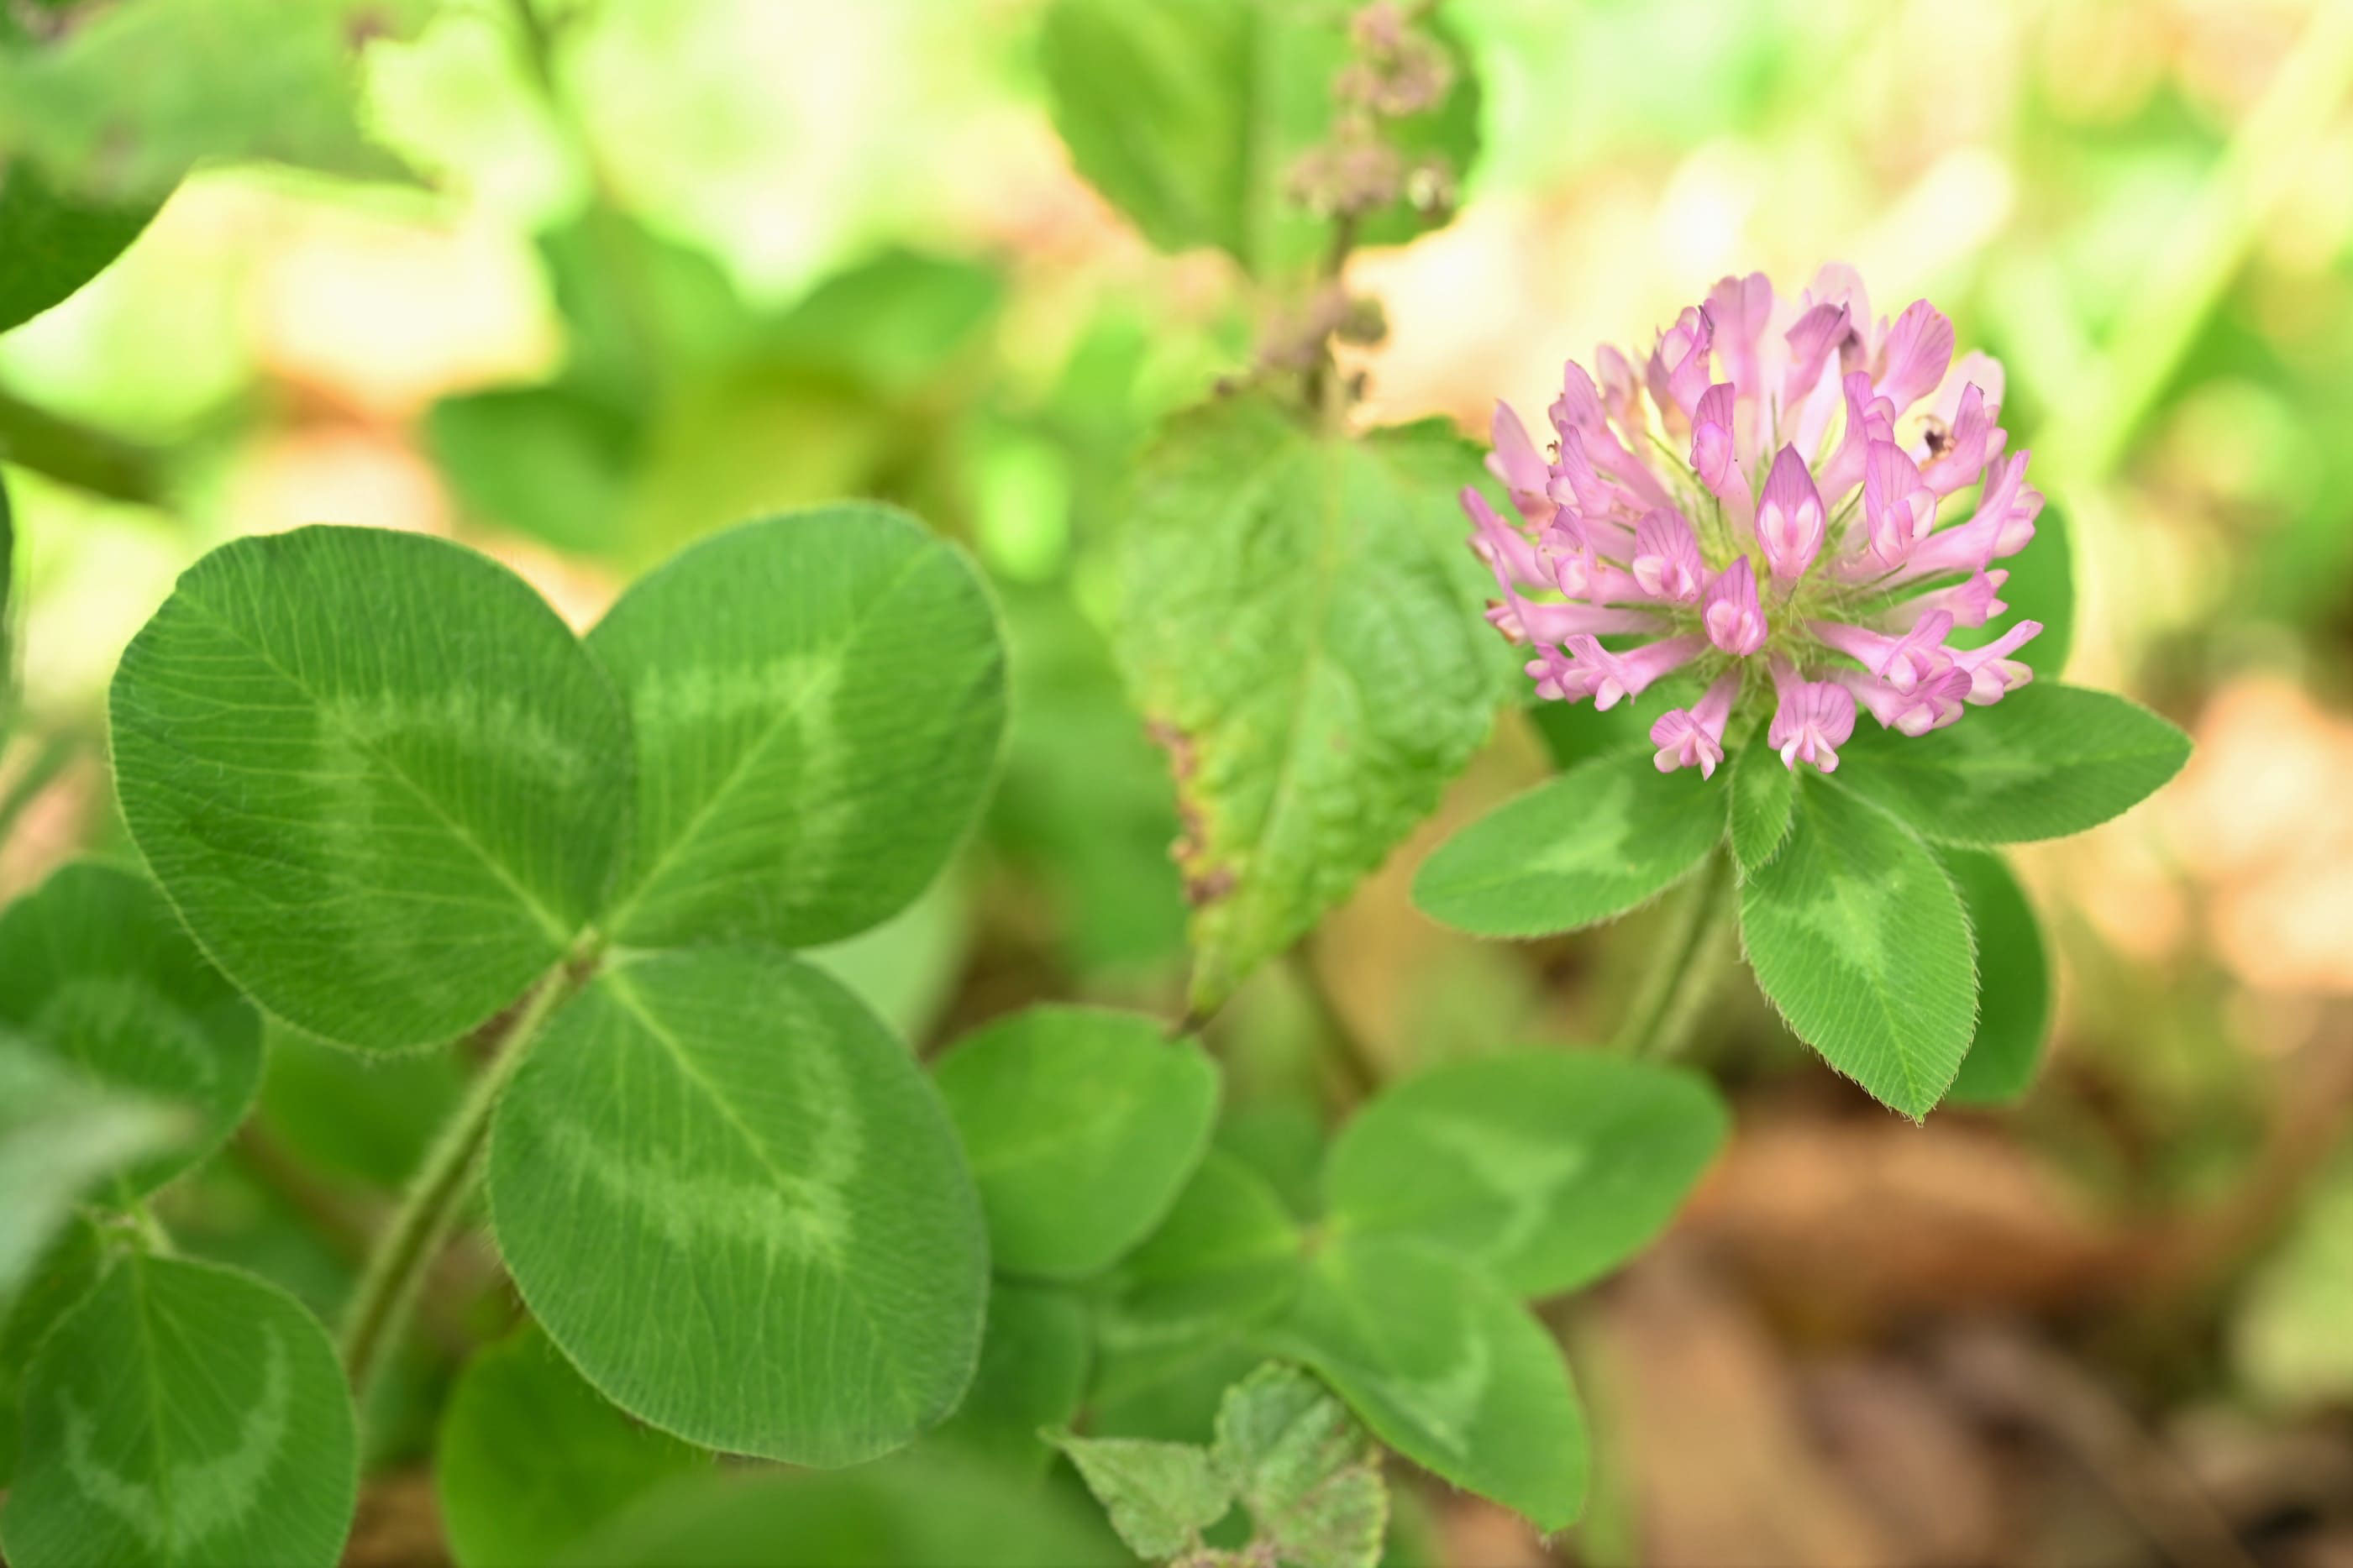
(1844, 492)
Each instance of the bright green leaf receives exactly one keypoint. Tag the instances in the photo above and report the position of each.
(1857, 937)
(383, 783)
(1310, 1478)
(60, 1135)
(817, 701)
(1446, 1368)
(1548, 1169)
(1602, 838)
(1033, 1373)
(96, 970)
(183, 1414)
(1082, 1125)
(2044, 761)
(131, 95)
(734, 1201)
(529, 1458)
(934, 1509)
(2013, 981)
(1160, 1496)
(1190, 116)
(53, 243)
(1764, 792)
(1302, 633)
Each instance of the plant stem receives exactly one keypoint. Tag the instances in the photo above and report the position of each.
(82, 456)
(387, 1292)
(1688, 963)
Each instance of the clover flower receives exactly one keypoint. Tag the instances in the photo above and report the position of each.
(1792, 502)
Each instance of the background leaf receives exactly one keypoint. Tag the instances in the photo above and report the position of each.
(817, 701)
(182, 1415)
(1082, 1125)
(2041, 587)
(1191, 114)
(1445, 1368)
(1306, 1472)
(96, 972)
(764, 1173)
(1545, 1169)
(382, 783)
(2013, 981)
(1034, 1359)
(931, 1510)
(1160, 1496)
(1857, 937)
(61, 1135)
(2044, 763)
(1302, 633)
(529, 1459)
(132, 95)
(1175, 1330)
(367, 1117)
(1602, 838)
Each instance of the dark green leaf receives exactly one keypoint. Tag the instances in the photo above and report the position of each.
(382, 783)
(2013, 981)
(729, 1146)
(50, 245)
(1601, 840)
(1082, 1125)
(96, 972)
(1447, 1368)
(529, 1458)
(817, 701)
(1302, 633)
(2044, 761)
(183, 1414)
(1548, 1169)
(1857, 937)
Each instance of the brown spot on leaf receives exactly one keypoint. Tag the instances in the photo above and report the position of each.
(1210, 885)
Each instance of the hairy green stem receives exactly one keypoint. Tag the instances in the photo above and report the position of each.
(387, 1289)
(1687, 968)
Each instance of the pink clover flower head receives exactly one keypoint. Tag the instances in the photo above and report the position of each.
(1734, 618)
(1693, 737)
(1812, 720)
(1788, 504)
